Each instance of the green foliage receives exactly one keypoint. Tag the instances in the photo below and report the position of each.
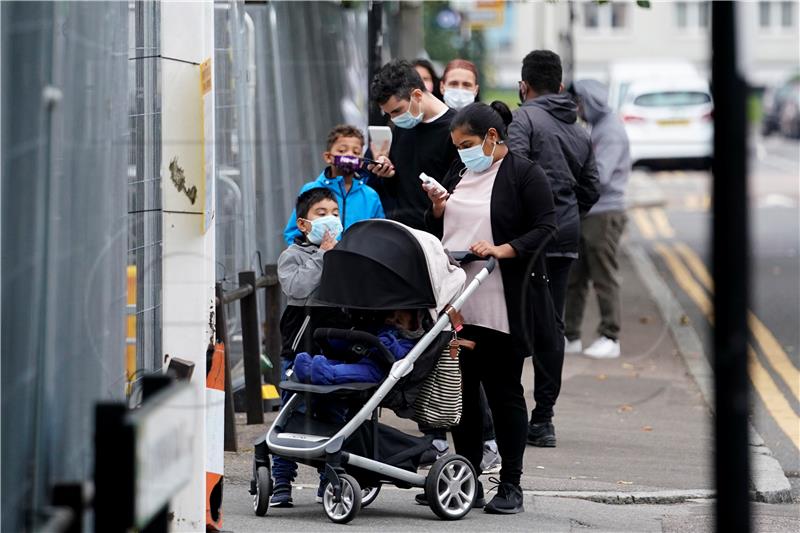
(510, 97)
(443, 45)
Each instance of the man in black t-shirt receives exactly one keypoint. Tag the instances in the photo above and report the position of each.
(421, 142)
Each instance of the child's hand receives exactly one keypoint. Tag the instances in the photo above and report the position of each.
(328, 241)
(383, 168)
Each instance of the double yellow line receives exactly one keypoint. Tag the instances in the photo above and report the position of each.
(694, 279)
(653, 223)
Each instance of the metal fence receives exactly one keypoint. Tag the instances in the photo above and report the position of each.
(64, 234)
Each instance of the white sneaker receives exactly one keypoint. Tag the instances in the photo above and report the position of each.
(603, 348)
(575, 346)
(491, 463)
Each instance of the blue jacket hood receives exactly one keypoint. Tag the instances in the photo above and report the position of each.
(361, 202)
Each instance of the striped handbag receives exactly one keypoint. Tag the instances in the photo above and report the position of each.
(438, 404)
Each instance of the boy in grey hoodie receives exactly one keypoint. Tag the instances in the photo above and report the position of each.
(299, 273)
(602, 227)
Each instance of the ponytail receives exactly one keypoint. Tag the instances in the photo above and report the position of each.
(477, 118)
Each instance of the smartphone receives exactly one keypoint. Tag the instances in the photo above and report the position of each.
(380, 136)
(432, 183)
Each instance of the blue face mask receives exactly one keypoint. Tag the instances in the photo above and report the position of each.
(407, 120)
(474, 158)
(319, 226)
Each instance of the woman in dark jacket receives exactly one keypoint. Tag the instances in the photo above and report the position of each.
(497, 204)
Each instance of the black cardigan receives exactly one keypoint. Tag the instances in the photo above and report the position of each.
(523, 216)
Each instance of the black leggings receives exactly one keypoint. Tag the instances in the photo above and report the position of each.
(498, 367)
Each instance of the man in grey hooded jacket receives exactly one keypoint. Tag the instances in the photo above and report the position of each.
(602, 228)
(545, 129)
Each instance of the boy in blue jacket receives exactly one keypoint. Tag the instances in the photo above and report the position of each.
(357, 200)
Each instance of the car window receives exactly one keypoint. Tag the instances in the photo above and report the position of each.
(672, 99)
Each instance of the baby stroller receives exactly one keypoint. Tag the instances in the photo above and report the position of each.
(379, 265)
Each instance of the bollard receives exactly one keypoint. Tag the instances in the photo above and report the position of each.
(273, 312)
(251, 349)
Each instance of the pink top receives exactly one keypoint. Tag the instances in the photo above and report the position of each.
(467, 219)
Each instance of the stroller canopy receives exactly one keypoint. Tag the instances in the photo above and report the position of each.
(385, 265)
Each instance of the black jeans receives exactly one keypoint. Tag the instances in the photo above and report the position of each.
(498, 367)
(547, 365)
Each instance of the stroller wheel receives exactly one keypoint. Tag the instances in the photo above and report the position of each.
(348, 505)
(263, 491)
(451, 487)
(369, 495)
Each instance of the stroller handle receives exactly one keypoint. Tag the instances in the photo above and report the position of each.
(464, 257)
(350, 335)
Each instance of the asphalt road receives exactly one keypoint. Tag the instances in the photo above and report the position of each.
(678, 239)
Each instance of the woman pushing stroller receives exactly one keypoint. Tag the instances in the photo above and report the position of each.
(497, 204)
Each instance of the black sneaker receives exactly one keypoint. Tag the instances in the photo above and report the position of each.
(542, 434)
(480, 501)
(281, 495)
(508, 500)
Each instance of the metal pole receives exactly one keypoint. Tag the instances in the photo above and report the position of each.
(375, 57)
(273, 318)
(222, 336)
(730, 268)
(251, 351)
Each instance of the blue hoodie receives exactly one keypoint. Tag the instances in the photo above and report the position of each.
(361, 202)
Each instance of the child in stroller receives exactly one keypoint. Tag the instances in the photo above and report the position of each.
(399, 333)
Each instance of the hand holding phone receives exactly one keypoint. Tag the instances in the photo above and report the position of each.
(431, 186)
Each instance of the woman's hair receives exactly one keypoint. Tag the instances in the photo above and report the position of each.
(427, 65)
(477, 118)
(462, 64)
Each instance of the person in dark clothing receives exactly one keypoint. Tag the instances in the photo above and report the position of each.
(546, 131)
(497, 204)
(421, 142)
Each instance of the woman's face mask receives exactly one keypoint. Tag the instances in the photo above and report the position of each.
(321, 225)
(407, 120)
(474, 158)
(458, 98)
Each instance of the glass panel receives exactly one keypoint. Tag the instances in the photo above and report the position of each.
(681, 11)
(764, 9)
(672, 99)
(590, 15)
(619, 15)
(787, 14)
(703, 12)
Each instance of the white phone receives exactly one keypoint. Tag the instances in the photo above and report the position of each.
(431, 183)
(381, 137)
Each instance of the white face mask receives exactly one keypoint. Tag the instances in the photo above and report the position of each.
(407, 120)
(458, 98)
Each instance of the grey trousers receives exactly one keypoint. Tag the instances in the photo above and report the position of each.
(598, 263)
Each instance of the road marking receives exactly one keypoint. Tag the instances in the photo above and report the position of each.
(685, 280)
(774, 353)
(696, 265)
(662, 223)
(643, 222)
(773, 399)
(770, 347)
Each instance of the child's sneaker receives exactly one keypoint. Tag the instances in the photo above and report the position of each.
(491, 458)
(281, 495)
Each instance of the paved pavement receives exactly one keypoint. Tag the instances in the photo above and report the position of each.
(633, 430)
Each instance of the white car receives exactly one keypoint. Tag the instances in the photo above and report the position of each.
(623, 73)
(670, 121)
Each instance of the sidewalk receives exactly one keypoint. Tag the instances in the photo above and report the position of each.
(630, 430)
